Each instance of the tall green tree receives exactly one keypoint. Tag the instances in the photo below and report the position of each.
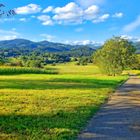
(114, 56)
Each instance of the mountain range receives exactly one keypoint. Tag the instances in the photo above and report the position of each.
(23, 46)
(43, 45)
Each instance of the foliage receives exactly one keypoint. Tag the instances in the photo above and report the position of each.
(35, 59)
(2, 60)
(85, 60)
(136, 63)
(83, 51)
(21, 52)
(115, 55)
(52, 107)
(20, 70)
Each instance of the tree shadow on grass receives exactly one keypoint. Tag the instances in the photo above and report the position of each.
(28, 70)
(57, 84)
(59, 125)
(65, 125)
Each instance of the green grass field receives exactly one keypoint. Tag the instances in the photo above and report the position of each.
(52, 107)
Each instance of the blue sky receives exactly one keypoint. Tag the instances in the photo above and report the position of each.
(71, 21)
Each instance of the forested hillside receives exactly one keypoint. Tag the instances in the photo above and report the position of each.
(21, 47)
(21, 52)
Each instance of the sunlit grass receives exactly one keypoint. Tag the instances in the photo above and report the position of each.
(72, 68)
(51, 107)
(133, 72)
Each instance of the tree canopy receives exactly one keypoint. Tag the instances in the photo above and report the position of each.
(114, 56)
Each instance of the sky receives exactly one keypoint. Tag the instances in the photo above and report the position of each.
(71, 21)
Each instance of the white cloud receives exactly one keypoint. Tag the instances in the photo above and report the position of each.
(79, 29)
(8, 35)
(14, 29)
(118, 15)
(45, 19)
(2, 20)
(131, 38)
(101, 18)
(48, 9)
(33, 16)
(28, 9)
(23, 19)
(91, 12)
(84, 42)
(127, 37)
(47, 37)
(87, 3)
(71, 13)
(70, 7)
(133, 25)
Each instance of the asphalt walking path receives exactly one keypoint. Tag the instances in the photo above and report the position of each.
(119, 119)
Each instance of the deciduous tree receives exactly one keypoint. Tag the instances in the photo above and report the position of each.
(115, 55)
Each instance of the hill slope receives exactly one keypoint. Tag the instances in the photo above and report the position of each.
(18, 47)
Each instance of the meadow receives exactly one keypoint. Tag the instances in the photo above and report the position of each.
(52, 107)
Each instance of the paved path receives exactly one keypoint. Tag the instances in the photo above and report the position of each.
(119, 119)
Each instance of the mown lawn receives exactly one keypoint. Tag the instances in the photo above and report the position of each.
(51, 107)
